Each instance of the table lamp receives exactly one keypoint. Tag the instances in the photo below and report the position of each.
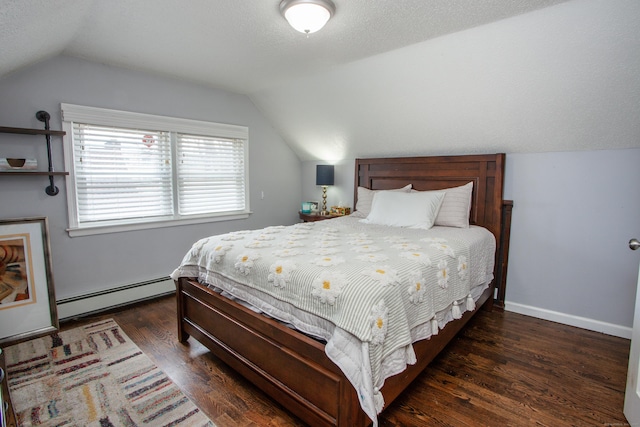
(324, 177)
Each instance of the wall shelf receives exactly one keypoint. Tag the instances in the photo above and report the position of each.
(28, 131)
(43, 116)
(39, 173)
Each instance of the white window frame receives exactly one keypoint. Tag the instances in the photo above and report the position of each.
(106, 117)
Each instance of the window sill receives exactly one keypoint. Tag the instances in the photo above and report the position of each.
(118, 228)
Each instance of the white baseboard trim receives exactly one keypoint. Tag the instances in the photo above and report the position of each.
(569, 319)
(111, 298)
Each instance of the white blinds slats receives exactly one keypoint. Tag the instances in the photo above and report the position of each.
(211, 175)
(131, 171)
(121, 173)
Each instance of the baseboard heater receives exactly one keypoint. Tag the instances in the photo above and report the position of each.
(95, 302)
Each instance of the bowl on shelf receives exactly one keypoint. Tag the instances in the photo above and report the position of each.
(16, 163)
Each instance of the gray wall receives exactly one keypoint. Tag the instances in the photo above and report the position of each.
(574, 213)
(573, 216)
(86, 264)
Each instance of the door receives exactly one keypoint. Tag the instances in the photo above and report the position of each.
(632, 393)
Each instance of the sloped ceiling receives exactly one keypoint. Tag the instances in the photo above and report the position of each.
(241, 46)
(562, 78)
(383, 77)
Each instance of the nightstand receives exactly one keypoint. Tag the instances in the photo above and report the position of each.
(315, 217)
(7, 415)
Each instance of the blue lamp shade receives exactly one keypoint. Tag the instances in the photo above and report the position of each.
(324, 175)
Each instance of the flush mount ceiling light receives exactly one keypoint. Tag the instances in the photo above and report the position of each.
(307, 16)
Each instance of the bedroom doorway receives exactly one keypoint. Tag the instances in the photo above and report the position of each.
(632, 392)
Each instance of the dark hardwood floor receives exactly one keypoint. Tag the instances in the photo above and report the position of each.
(504, 369)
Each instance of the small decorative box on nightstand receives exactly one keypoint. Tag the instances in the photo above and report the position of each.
(340, 210)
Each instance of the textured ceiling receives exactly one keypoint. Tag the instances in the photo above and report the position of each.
(383, 78)
(243, 46)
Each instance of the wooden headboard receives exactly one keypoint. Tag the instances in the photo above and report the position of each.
(435, 173)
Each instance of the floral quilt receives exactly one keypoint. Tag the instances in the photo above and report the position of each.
(375, 283)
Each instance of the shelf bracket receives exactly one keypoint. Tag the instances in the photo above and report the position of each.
(43, 116)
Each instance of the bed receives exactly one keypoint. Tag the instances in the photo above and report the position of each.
(303, 364)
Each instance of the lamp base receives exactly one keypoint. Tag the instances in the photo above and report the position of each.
(324, 211)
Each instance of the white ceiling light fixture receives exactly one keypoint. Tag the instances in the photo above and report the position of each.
(307, 16)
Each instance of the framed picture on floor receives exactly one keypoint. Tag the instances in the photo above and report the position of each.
(27, 297)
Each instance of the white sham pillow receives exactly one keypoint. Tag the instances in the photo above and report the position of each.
(398, 209)
(365, 198)
(456, 207)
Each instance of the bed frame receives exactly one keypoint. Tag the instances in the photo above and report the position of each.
(293, 368)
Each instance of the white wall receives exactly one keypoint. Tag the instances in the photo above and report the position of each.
(93, 263)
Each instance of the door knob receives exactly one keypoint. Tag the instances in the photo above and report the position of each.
(634, 244)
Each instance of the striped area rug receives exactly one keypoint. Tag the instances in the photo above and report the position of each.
(93, 376)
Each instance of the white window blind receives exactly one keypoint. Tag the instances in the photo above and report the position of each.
(210, 174)
(131, 171)
(122, 173)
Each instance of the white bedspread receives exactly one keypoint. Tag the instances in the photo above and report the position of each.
(369, 291)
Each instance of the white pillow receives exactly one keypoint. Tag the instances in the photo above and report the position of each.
(415, 210)
(365, 198)
(456, 207)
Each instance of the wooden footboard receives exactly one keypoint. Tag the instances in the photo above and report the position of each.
(287, 365)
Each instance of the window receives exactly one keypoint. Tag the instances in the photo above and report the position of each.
(131, 171)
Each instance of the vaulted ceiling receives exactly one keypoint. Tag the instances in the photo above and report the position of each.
(378, 73)
(242, 46)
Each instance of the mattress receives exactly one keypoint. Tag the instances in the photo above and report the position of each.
(368, 291)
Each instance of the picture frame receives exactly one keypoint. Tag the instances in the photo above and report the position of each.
(27, 296)
(315, 207)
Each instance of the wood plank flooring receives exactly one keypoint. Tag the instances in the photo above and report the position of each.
(504, 369)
